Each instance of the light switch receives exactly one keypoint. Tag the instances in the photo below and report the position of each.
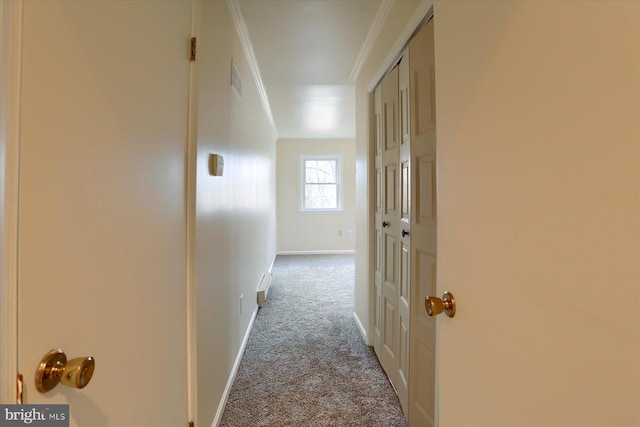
(216, 165)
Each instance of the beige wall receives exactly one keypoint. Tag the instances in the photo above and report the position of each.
(235, 213)
(314, 232)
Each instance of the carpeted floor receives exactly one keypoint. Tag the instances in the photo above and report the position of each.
(306, 363)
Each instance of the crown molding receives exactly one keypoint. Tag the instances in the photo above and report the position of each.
(247, 46)
(422, 11)
(372, 35)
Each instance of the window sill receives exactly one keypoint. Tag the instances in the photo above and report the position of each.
(321, 211)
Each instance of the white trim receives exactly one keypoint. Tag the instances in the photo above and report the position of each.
(327, 252)
(234, 371)
(10, 87)
(247, 46)
(273, 261)
(190, 211)
(321, 211)
(372, 35)
(363, 331)
(370, 217)
(417, 17)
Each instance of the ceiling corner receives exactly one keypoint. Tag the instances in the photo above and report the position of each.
(372, 35)
(247, 46)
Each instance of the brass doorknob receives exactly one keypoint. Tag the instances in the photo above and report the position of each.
(435, 305)
(55, 368)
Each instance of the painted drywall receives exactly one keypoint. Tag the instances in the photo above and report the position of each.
(538, 128)
(538, 108)
(399, 16)
(235, 225)
(319, 231)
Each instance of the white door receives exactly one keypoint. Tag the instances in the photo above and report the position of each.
(404, 239)
(102, 230)
(538, 131)
(389, 347)
(392, 224)
(423, 227)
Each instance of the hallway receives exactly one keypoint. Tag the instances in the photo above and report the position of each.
(306, 363)
(147, 186)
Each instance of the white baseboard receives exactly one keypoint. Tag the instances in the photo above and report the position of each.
(363, 331)
(273, 261)
(234, 371)
(330, 252)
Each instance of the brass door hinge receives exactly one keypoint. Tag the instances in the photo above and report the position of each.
(193, 55)
(19, 389)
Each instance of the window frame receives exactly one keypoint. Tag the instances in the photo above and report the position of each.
(303, 183)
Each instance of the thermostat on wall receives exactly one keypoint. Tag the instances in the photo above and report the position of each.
(216, 165)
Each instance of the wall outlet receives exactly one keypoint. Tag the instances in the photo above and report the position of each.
(351, 233)
(339, 233)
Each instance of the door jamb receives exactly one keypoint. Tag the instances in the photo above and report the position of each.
(371, 216)
(11, 19)
(191, 176)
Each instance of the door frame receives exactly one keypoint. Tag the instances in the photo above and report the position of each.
(422, 14)
(10, 84)
(191, 159)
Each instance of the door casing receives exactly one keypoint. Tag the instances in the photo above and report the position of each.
(10, 71)
(404, 220)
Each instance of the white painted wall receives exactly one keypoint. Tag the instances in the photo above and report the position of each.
(311, 232)
(538, 127)
(235, 213)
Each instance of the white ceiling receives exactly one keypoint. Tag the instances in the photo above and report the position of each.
(306, 51)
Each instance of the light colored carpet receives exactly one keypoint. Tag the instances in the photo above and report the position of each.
(306, 363)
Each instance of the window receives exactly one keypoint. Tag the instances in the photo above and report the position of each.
(321, 183)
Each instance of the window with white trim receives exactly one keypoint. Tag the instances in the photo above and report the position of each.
(321, 184)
